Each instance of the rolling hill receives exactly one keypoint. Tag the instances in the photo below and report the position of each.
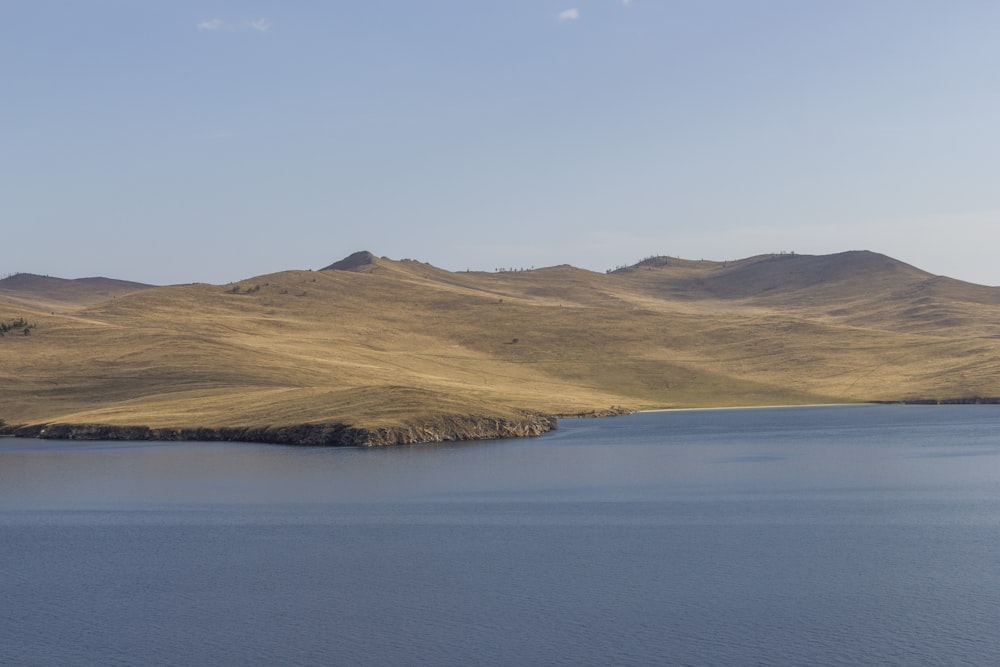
(372, 343)
(61, 294)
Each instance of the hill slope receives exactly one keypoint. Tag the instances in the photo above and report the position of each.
(60, 294)
(372, 342)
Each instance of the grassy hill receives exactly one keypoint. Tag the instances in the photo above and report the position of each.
(61, 294)
(373, 342)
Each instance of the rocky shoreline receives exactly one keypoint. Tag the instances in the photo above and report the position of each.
(613, 411)
(439, 429)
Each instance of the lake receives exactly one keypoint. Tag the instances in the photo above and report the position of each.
(779, 536)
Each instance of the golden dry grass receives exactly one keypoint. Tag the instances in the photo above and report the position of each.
(387, 343)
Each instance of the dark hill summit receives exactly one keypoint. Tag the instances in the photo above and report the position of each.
(856, 288)
(353, 262)
(847, 272)
(842, 275)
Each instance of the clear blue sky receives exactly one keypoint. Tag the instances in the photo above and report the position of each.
(179, 141)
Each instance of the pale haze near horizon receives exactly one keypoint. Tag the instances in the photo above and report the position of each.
(171, 142)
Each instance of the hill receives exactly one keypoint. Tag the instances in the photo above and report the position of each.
(59, 294)
(373, 343)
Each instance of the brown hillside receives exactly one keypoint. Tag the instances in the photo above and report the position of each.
(58, 293)
(777, 278)
(373, 341)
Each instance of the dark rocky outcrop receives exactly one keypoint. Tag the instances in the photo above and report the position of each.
(613, 411)
(353, 262)
(446, 428)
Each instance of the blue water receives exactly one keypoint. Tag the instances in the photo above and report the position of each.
(827, 536)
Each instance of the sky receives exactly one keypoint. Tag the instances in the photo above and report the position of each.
(175, 141)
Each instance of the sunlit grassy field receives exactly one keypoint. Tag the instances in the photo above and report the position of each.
(382, 342)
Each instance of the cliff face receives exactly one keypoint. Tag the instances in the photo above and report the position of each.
(441, 429)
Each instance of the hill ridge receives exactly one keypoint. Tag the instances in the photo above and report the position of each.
(53, 293)
(365, 260)
(378, 343)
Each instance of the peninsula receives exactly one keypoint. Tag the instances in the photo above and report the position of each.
(373, 351)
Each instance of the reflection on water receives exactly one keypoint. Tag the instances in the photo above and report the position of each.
(862, 534)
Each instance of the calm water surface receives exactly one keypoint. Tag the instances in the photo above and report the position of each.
(833, 535)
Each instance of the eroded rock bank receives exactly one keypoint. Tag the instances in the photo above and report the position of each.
(613, 411)
(440, 429)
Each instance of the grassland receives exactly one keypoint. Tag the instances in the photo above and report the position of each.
(375, 342)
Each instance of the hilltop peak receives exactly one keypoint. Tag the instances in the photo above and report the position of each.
(353, 262)
(27, 279)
